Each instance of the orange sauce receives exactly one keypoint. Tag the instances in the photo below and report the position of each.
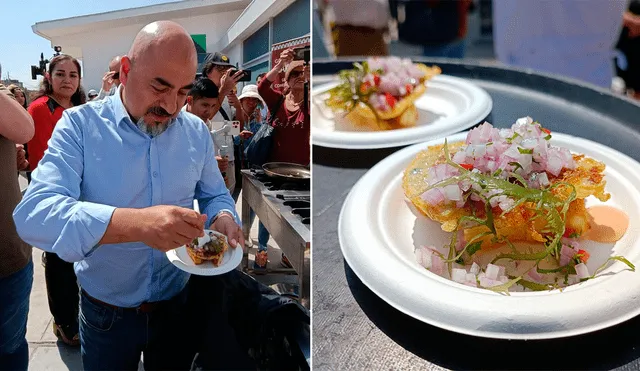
(607, 224)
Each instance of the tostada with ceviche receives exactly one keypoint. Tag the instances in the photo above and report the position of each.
(380, 93)
(515, 207)
(210, 248)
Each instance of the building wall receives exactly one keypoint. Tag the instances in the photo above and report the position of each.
(98, 48)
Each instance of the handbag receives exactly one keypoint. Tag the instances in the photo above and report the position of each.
(258, 151)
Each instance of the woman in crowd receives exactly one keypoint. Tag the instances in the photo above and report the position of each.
(60, 89)
(251, 103)
(291, 121)
(21, 98)
(19, 94)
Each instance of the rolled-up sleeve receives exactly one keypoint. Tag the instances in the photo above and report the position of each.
(211, 192)
(51, 215)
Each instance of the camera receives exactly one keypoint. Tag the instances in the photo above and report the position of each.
(246, 74)
(40, 69)
(302, 54)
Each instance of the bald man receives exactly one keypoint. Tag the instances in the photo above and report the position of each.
(114, 192)
(111, 79)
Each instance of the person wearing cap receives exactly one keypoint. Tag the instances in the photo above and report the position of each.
(92, 94)
(111, 79)
(217, 68)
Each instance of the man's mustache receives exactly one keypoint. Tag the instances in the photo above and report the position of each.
(159, 111)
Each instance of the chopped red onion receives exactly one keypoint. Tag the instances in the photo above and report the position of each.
(458, 275)
(492, 271)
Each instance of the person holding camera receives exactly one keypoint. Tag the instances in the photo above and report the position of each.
(218, 68)
(289, 117)
(291, 114)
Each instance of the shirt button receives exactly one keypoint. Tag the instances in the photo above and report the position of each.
(155, 174)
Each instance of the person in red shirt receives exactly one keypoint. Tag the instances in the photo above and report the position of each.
(60, 89)
(292, 122)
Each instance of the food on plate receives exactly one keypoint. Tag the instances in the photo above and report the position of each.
(213, 250)
(515, 205)
(381, 92)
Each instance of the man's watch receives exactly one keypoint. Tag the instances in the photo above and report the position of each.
(223, 213)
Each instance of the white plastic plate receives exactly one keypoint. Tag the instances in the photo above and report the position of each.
(379, 230)
(449, 105)
(181, 259)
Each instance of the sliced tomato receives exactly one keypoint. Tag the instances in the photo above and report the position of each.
(364, 87)
(376, 80)
(391, 100)
(584, 256)
(568, 232)
(467, 166)
(408, 87)
(547, 131)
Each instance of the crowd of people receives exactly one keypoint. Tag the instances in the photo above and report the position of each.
(112, 178)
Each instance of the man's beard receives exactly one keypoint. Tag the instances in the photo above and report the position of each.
(156, 128)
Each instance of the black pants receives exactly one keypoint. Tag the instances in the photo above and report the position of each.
(62, 291)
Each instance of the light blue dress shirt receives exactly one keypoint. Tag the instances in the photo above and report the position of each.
(97, 161)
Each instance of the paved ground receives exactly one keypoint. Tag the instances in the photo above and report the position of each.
(46, 353)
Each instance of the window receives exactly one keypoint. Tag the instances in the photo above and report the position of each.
(256, 45)
(292, 22)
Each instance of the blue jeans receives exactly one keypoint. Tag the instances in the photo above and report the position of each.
(14, 308)
(114, 338)
(263, 233)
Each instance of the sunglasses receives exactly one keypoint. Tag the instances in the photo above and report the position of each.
(116, 76)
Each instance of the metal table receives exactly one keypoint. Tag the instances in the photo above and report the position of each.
(354, 329)
(291, 235)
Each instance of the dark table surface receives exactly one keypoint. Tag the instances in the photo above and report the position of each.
(354, 329)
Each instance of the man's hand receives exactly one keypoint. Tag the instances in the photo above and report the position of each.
(107, 80)
(223, 163)
(21, 160)
(229, 81)
(226, 225)
(168, 227)
(246, 134)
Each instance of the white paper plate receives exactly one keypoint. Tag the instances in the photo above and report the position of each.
(181, 259)
(378, 232)
(449, 105)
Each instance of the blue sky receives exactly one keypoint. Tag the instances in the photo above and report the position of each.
(20, 47)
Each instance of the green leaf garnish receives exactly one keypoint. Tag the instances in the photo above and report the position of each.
(504, 288)
(516, 165)
(474, 247)
(525, 151)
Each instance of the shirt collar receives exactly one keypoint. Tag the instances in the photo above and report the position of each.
(52, 104)
(118, 107)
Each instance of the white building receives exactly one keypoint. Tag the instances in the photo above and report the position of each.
(242, 29)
